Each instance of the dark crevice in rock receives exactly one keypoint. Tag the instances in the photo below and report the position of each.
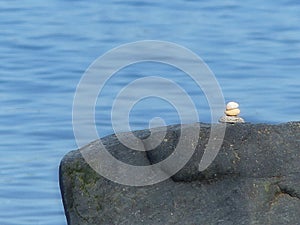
(289, 191)
(146, 151)
(220, 177)
(208, 180)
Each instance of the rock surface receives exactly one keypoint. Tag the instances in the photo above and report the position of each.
(255, 179)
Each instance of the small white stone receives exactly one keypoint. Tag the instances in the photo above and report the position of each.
(232, 105)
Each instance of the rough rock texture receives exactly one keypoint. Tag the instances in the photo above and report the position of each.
(255, 179)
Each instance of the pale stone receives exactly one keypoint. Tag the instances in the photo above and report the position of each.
(232, 112)
(232, 105)
(231, 119)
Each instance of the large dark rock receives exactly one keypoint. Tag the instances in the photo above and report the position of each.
(255, 179)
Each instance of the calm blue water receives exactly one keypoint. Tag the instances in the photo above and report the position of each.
(253, 47)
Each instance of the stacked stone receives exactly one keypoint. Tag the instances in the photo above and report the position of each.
(232, 114)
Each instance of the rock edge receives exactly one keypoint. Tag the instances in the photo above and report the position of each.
(255, 179)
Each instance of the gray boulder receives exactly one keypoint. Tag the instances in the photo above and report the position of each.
(255, 179)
